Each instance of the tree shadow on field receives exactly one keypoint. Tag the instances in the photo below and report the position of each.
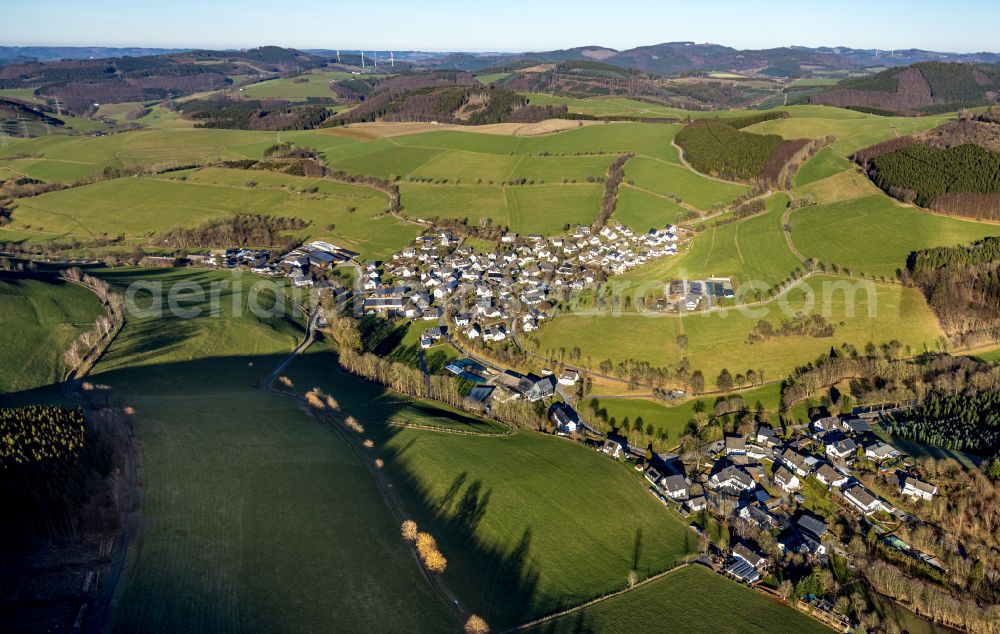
(497, 581)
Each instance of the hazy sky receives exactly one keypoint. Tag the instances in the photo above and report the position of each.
(505, 25)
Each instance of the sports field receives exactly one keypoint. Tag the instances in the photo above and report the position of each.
(38, 320)
(692, 599)
(255, 515)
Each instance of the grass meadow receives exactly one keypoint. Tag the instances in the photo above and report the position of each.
(718, 340)
(852, 134)
(544, 209)
(692, 599)
(38, 320)
(874, 234)
(139, 208)
(673, 180)
(255, 515)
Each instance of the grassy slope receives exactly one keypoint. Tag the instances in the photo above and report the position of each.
(874, 234)
(255, 516)
(524, 538)
(825, 163)
(483, 498)
(852, 134)
(139, 207)
(692, 599)
(38, 320)
(718, 340)
(749, 249)
(661, 178)
(525, 209)
(642, 210)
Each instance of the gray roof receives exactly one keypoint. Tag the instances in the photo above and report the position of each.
(812, 525)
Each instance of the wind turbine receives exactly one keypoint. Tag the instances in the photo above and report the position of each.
(392, 60)
(362, 59)
(338, 56)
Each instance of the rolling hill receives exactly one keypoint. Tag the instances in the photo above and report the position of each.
(924, 88)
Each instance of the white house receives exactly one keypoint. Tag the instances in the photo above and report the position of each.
(569, 377)
(862, 498)
(675, 486)
(786, 479)
(881, 451)
(829, 476)
(731, 478)
(918, 488)
(612, 448)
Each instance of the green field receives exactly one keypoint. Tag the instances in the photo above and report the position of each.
(489, 78)
(752, 249)
(672, 180)
(544, 209)
(692, 599)
(875, 234)
(141, 207)
(489, 501)
(38, 320)
(717, 340)
(254, 515)
(824, 164)
(641, 210)
(494, 503)
(316, 84)
(852, 134)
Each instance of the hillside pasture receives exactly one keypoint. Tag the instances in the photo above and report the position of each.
(299, 87)
(139, 208)
(292, 534)
(38, 320)
(500, 507)
(672, 180)
(542, 209)
(640, 210)
(852, 134)
(874, 234)
(718, 339)
(693, 599)
(823, 164)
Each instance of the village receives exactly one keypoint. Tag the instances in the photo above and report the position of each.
(779, 487)
(781, 490)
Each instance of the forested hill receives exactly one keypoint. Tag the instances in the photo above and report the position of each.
(924, 88)
(79, 84)
(962, 286)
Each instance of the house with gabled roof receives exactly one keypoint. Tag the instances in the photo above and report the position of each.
(917, 488)
(829, 476)
(863, 499)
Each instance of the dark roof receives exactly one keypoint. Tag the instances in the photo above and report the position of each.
(812, 525)
(674, 483)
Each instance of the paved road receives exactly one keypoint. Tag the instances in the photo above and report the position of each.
(310, 337)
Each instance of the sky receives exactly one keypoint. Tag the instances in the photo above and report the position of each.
(508, 25)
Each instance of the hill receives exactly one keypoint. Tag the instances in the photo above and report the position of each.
(720, 148)
(38, 321)
(954, 168)
(924, 88)
(79, 84)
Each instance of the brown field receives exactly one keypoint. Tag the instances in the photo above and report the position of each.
(842, 186)
(386, 129)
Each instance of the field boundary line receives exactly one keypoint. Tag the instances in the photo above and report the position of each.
(596, 600)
